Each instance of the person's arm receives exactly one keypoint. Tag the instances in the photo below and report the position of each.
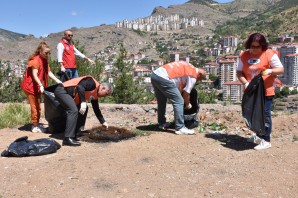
(97, 111)
(81, 55)
(240, 75)
(276, 66)
(37, 80)
(53, 77)
(186, 98)
(60, 49)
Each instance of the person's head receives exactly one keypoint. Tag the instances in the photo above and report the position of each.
(68, 35)
(201, 74)
(43, 49)
(257, 43)
(105, 89)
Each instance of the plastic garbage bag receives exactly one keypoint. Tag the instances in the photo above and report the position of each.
(54, 112)
(22, 147)
(253, 105)
(191, 119)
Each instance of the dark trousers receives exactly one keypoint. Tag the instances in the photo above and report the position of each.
(268, 120)
(70, 108)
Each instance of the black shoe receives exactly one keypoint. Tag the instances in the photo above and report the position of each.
(68, 141)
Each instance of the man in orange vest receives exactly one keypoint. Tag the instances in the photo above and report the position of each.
(174, 81)
(66, 55)
(72, 95)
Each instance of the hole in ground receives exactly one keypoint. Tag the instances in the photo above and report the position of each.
(112, 134)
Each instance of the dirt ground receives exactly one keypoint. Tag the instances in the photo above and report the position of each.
(212, 163)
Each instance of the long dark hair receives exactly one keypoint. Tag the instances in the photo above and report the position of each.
(257, 37)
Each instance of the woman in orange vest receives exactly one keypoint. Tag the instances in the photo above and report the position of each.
(35, 80)
(72, 95)
(174, 81)
(258, 58)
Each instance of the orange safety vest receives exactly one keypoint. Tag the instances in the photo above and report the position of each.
(28, 84)
(68, 56)
(180, 69)
(89, 95)
(253, 64)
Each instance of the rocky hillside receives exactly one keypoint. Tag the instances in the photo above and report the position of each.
(14, 46)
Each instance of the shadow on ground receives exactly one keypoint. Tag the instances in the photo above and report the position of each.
(26, 127)
(234, 142)
(154, 128)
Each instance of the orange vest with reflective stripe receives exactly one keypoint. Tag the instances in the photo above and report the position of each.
(180, 69)
(89, 95)
(253, 64)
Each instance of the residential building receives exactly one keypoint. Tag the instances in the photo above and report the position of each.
(233, 91)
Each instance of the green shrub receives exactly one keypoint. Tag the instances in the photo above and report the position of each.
(13, 115)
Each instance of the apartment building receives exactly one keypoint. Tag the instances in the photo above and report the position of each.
(288, 58)
(291, 69)
(233, 91)
(212, 68)
(230, 41)
(227, 70)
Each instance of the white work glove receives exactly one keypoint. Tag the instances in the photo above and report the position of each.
(91, 61)
(267, 72)
(83, 108)
(41, 88)
(105, 124)
(246, 85)
(62, 69)
(58, 81)
(188, 106)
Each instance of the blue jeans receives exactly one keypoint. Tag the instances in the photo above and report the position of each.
(72, 73)
(165, 89)
(268, 119)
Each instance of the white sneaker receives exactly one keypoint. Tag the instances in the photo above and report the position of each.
(254, 139)
(38, 129)
(164, 126)
(263, 145)
(185, 131)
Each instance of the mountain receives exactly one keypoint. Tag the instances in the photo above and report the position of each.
(278, 18)
(235, 18)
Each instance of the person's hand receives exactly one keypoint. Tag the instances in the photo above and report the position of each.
(83, 108)
(246, 85)
(62, 69)
(188, 106)
(91, 61)
(267, 72)
(41, 88)
(58, 81)
(105, 124)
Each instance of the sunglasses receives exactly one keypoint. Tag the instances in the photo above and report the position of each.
(255, 46)
(70, 35)
(47, 53)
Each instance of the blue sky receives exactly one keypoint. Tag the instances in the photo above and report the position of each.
(43, 17)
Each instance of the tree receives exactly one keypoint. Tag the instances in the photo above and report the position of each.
(126, 89)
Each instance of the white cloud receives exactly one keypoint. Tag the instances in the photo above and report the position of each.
(74, 13)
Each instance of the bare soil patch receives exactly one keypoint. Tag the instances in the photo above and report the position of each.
(215, 163)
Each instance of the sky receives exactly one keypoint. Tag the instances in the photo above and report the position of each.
(40, 18)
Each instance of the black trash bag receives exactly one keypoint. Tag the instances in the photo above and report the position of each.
(253, 105)
(63, 76)
(54, 112)
(191, 119)
(23, 147)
